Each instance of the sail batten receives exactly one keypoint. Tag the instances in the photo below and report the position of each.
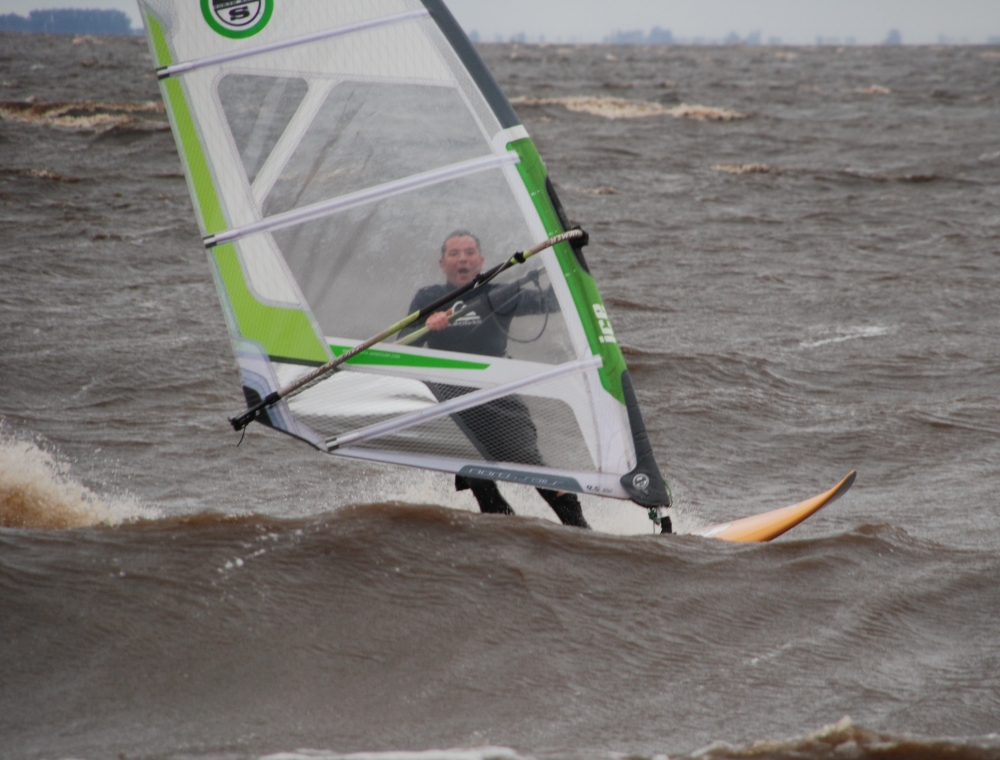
(362, 197)
(215, 60)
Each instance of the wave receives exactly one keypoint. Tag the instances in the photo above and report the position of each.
(85, 115)
(38, 491)
(41, 174)
(850, 333)
(843, 739)
(859, 174)
(627, 303)
(747, 169)
(419, 626)
(973, 416)
(621, 108)
(471, 753)
(874, 89)
(873, 177)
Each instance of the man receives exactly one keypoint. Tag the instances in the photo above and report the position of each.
(501, 430)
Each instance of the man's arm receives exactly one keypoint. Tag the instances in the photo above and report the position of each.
(535, 300)
(436, 321)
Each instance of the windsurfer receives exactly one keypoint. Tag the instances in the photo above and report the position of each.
(501, 430)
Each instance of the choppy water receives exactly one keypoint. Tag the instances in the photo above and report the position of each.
(803, 264)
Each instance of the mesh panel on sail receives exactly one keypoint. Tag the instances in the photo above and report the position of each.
(351, 400)
(521, 428)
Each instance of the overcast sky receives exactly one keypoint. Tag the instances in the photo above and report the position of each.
(794, 21)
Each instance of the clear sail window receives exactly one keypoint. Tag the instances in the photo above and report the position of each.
(258, 109)
(368, 133)
(362, 269)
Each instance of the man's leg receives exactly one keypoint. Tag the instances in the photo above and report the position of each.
(487, 494)
(566, 506)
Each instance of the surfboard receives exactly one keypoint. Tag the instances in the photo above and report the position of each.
(768, 525)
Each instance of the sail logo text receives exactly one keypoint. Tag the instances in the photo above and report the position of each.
(607, 334)
(237, 18)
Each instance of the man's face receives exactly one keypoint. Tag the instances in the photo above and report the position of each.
(461, 261)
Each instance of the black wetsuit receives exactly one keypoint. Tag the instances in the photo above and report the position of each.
(501, 430)
(482, 328)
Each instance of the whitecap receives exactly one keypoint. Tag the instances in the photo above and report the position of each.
(849, 333)
(622, 108)
(38, 491)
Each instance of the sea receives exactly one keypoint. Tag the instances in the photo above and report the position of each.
(799, 249)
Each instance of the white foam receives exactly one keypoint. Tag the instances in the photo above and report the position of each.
(755, 168)
(849, 333)
(83, 115)
(875, 89)
(38, 491)
(620, 108)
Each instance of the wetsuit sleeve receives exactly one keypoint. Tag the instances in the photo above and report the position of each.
(417, 303)
(424, 296)
(534, 301)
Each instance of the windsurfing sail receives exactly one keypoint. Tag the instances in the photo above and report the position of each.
(332, 150)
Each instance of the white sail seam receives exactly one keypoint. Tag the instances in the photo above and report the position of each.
(215, 60)
(363, 197)
(460, 404)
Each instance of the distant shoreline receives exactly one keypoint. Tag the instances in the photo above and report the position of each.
(70, 21)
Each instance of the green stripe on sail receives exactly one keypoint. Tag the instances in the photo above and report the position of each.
(160, 48)
(376, 357)
(280, 331)
(208, 204)
(581, 284)
(287, 333)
